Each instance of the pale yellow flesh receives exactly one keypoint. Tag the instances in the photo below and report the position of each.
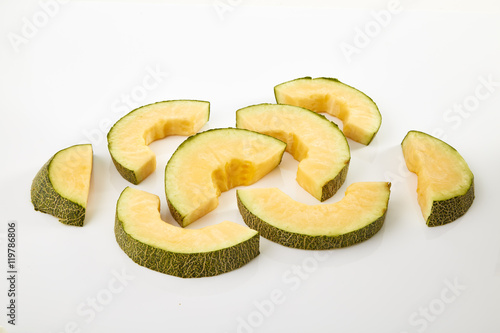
(441, 171)
(216, 161)
(139, 212)
(131, 135)
(360, 116)
(70, 172)
(313, 140)
(362, 204)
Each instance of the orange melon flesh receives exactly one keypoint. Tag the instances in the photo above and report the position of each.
(445, 182)
(129, 138)
(359, 114)
(279, 218)
(214, 161)
(314, 141)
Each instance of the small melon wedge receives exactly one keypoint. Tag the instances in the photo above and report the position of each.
(186, 253)
(61, 187)
(317, 143)
(214, 161)
(445, 182)
(279, 218)
(359, 114)
(129, 138)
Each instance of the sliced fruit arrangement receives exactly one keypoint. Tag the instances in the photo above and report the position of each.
(445, 182)
(129, 138)
(317, 143)
(359, 114)
(212, 162)
(187, 253)
(61, 187)
(279, 218)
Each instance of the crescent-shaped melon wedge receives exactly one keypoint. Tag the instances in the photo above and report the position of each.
(188, 253)
(61, 187)
(359, 113)
(214, 161)
(317, 143)
(445, 182)
(277, 217)
(129, 138)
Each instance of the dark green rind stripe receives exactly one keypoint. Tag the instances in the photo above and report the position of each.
(447, 211)
(330, 188)
(186, 265)
(45, 199)
(175, 213)
(127, 174)
(307, 242)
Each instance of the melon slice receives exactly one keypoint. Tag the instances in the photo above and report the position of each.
(317, 143)
(215, 161)
(129, 138)
(359, 114)
(61, 187)
(445, 182)
(279, 218)
(187, 253)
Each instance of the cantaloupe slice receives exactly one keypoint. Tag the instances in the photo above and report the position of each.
(445, 182)
(317, 143)
(359, 114)
(187, 253)
(215, 161)
(61, 187)
(279, 218)
(129, 138)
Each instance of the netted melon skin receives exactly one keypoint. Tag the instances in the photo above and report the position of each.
(186, 265)
(308, 242)
(45, 199)
(446, 211)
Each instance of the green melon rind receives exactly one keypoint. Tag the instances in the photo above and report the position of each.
(308, 242)
(332, 186)
(126, 173)
(337, 81)
(46, 200)
(178, 217)
(446, 211)
(186, 265)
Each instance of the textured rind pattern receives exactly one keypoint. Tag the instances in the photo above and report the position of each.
(186, 265)
(307, 242)
(447, 211)
(330, 188)
(45, 199)
(127, 174)
(175, 213)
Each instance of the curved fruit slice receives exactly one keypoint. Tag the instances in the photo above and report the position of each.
(359, 114)
(445, 182)
(187, 253)
(317, 143)
(279, 218)
(129, 138)
(61, 187)
(212, 162)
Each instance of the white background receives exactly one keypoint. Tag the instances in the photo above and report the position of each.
(68, 71)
